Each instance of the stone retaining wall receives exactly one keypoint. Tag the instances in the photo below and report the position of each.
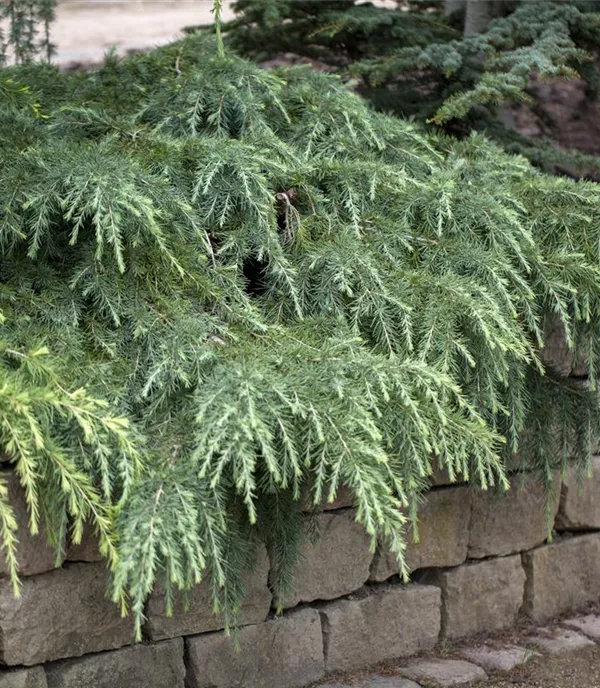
(482, 560)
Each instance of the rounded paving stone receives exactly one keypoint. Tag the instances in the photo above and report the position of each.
(389, 682)
(589, 625)
(443, 672)
(496, 659)
(557, 640)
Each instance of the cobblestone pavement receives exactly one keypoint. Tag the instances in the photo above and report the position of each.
(565, 654)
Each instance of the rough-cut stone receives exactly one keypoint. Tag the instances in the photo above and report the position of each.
(200, 617)
(59, 614)
(562, 577)
(557, 640)
(87, 549)
(589, 625)
(443, 535)
(393, 622)
(440, 477)
(34, 554)
(343, 500)
(502, 658)
(443, 672)
(141, 666)
(580, 501)
(556, 352)
(23, 678)
(512, 521)
(388, 682)
(484, 596)
(337, 564)
(286, 652)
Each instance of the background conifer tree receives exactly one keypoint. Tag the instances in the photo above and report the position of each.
(27, 30)
(453, 64)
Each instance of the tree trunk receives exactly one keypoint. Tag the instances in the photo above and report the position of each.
(479, 15)
(501, 8)
(454, 5)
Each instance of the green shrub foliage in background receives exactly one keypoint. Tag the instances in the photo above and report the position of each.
(25, 30)
(416, 60)
(227, 292)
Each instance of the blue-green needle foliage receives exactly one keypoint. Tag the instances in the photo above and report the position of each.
(275, 292)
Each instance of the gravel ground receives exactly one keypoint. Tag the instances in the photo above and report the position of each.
(572, 670)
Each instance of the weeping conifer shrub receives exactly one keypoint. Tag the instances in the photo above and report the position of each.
(228, 292)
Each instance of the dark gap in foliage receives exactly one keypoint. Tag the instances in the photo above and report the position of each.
(255, 275)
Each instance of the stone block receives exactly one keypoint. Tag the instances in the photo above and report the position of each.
(556, 352)
(87, 550)
(391, 622)
(388, 682)
(199, 616)
(440, 476)
(443, 672)
(503, 658)
(337, 564)
(443, 535)
(588, 625)
(513, 521)
(555, 641)
(580, 500)
(23, 678)
(344, 499)
(286, 652)
(481, 597)
(63, 613)
(34, 554)
(140, 666)
(562, 577)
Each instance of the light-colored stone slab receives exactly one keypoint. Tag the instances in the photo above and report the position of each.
(286, 652)
(481, 597)
(388, 682)
(588, 625)
(141, 666)
(63, 613)
(443, 672)
(443, 535)
(337, 564)
(394, 622)
(580, 500)
(34, 554)
(23, 678)
(513, 521)
(557, 640)
(199, 616)
(562, 577)
(502, 658)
